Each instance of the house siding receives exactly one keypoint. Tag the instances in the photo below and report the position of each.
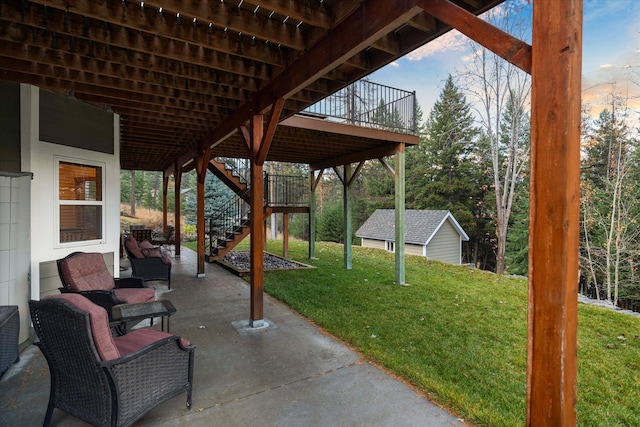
(413, 249)
(39, 156)
(371, 243)
(445, 245)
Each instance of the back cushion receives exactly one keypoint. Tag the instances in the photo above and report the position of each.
(86, 272)
(99, 324)
(132, 246)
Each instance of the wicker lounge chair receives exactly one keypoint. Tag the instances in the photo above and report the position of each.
(87, 274)
(147, 261)
(100, 379)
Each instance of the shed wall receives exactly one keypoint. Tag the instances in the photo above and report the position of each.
(371, 243)
(445, 245)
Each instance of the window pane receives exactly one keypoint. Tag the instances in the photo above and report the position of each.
(78, 223)
(80, 182)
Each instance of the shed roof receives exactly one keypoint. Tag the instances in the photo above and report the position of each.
(420, 225)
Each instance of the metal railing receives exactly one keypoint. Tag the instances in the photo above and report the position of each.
(239, 167)
(286, 190)
(226, 220)
(369, 104)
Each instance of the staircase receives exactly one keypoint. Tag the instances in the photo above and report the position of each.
(229, 225)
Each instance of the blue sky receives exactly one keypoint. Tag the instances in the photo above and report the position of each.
(611, 55)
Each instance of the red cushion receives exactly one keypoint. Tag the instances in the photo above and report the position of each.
(156, 253)
(135, 295)
(137, 339)
(132, 246)
(146, 245)
(99, 321)
(151, 252)
(86, 272)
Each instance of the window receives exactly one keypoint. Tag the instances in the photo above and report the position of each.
(390, 246)
(80, 201)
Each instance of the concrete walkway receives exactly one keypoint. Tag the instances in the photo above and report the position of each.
(287, 374)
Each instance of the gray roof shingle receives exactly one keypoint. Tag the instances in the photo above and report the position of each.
(420, 225)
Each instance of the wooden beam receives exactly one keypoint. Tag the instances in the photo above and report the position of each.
(257, 238)
(400, 227)
(387, 167)
(375, 153)
(355, 173)
(501, 43)
(271, 130)
(202, 162)
(285, 234)
(372, 20)
(346, 205)
(165, 189)
(554, 213)
(177, 174)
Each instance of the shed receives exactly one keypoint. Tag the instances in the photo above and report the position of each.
(434, 234)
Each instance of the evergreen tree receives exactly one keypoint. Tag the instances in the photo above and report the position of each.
(216, 194)
(445, 172)
(610, 209)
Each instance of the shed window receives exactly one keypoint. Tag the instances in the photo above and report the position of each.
(80, 202)
(390, 246)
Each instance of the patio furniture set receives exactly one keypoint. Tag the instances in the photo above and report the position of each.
(102, 370)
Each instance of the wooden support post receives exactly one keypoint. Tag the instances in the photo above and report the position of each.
(554, 213)
(313, 183)
(400, 222)
(285, 235)
(346, 199)
(256, 214)
(165, 189)
(177, 174)
(202, 162)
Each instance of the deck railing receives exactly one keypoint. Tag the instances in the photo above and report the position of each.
(369, 104)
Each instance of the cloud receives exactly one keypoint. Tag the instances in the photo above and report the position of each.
(453, 41)
(394, 64)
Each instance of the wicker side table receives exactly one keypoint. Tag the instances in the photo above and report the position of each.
(9, 331)
(131, 312)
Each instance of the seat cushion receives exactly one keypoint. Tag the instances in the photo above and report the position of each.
(145, 245)
(132, 246)
(86, 271)
(99, 321)
(135, 295)
(156, 253)
(139, 338)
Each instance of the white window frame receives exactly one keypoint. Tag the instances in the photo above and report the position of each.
(390, 246)
(58, 203)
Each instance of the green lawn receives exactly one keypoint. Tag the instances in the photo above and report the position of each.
(458, 334)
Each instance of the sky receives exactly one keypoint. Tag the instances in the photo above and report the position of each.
(610, 58)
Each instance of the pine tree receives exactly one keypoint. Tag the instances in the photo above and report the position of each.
(444, 172)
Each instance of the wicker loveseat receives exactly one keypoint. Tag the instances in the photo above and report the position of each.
(100, 379)
(147, 261)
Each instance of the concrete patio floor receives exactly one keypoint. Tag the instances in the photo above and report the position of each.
(287, 374)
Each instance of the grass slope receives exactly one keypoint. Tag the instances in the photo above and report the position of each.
(458, 334)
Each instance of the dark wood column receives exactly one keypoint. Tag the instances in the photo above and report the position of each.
(256, 214)
(177, 176)
(555, 213)
(165, 189)
(201, 169)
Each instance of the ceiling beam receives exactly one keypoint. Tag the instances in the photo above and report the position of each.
(501, 43)
(370, 22)
(360, 156)
(218, 14)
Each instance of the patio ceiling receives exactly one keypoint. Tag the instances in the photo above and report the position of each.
(185, 75)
